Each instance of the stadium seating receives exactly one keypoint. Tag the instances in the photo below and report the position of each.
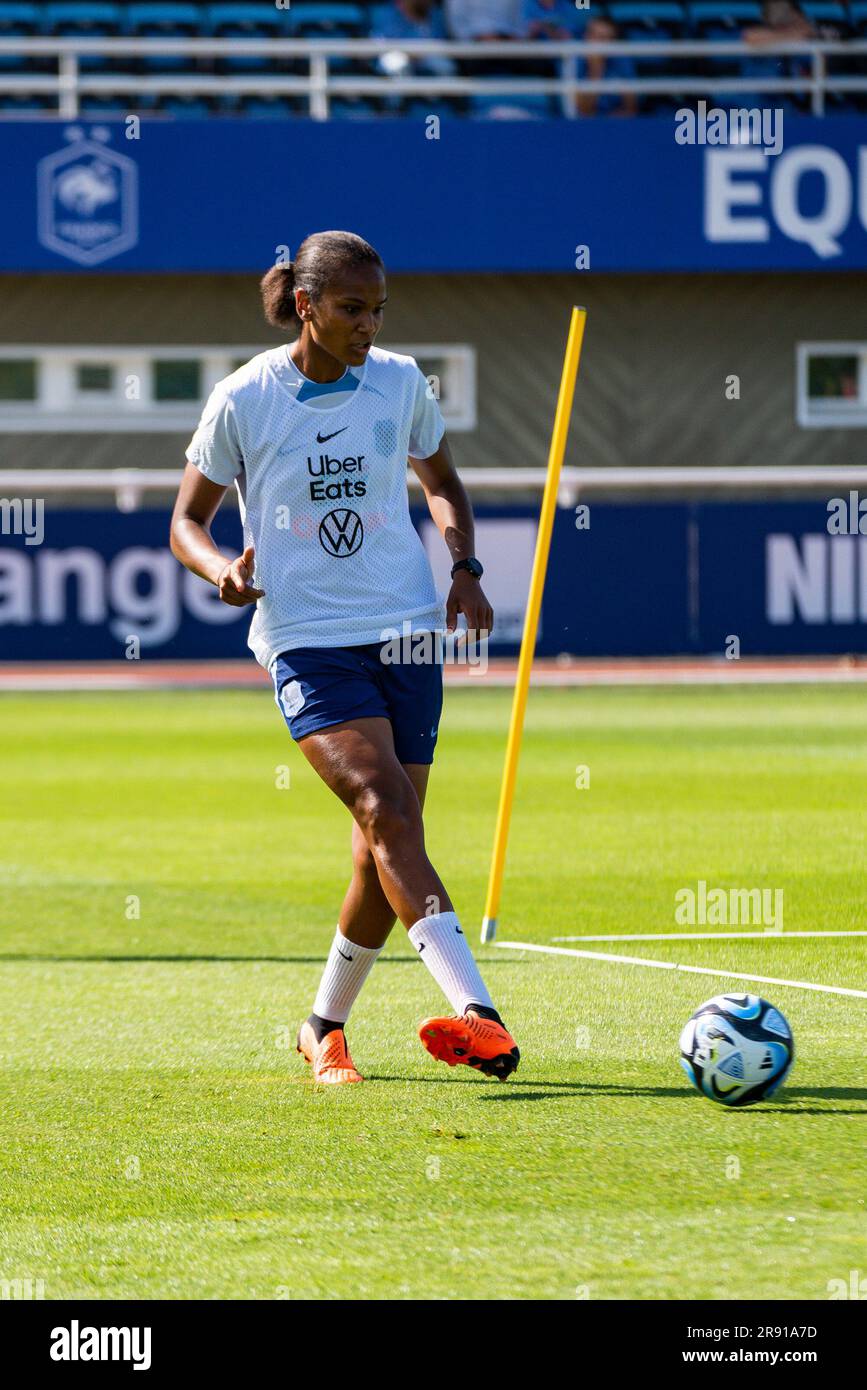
(164, 21)
(710, 18)
(649, 23)
(84, 21)
(858, 16)
(658, 21)
(354, 109)
(248, 21)
(330, 21)
(18, 22)
(833, 20)
(723, 22)
(23, 104)
(378, 15)
(313, 20)
(520, 106)
(827, 14)
(82, 18)
(258, 107)
(184, 107)
(112, 105)
(19, 19)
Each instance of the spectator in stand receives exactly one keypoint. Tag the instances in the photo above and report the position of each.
(549, 19)
(468, 20)
(596, 67)
(413, 19)
(782, 22)
(481, 21)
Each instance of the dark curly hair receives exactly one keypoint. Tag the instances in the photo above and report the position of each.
(318, 260)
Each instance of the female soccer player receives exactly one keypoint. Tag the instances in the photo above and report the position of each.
(316, 436)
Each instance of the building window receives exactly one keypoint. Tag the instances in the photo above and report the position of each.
(451, 376)
(832, 385)
(177, 380)
(95, 377)
(161, 388)
(18, 379)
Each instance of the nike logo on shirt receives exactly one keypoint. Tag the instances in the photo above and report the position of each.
(322, 438)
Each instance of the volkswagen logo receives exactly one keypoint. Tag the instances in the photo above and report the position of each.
(341, 532)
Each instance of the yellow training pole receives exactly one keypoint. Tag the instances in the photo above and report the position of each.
(531, 621)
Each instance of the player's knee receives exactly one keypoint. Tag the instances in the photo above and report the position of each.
(386, 816)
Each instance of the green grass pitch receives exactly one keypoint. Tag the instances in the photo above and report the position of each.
(166, 910)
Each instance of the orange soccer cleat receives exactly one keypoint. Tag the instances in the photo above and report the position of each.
(330, 1059)
(472, 1040)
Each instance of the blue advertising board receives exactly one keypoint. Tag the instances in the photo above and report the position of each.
(599, 194)
(633, 580)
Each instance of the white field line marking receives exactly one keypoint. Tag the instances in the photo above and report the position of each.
(709, 936)
(672, 965)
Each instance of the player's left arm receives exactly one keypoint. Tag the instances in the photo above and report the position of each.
(452, 514)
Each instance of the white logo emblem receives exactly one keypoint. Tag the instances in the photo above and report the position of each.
(87, 200)
(292, 699)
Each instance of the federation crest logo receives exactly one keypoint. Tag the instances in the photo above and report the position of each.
(87, 197)
(341, 532)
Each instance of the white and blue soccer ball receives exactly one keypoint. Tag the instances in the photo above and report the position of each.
(737, 1049)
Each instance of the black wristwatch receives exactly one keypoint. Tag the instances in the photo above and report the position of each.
(471, 565)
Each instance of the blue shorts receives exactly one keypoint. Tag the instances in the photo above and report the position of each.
(316, 687)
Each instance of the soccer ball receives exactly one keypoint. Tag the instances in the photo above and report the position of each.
(737, 1049)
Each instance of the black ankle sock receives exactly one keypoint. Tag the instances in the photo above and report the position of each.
(485, 1012)
(321, 1026)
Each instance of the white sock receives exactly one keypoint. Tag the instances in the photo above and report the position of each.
(444, 950)
(347, 969)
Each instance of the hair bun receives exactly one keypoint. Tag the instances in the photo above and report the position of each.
(278, 295)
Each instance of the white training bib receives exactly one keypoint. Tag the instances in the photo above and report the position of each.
(324, 500)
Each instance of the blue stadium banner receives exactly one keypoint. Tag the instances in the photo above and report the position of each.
(653, 579)
(483, 196)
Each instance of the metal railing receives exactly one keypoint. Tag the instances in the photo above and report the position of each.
(319, 84)
(131, 485)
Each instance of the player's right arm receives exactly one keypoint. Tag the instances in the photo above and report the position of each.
(195, 547)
